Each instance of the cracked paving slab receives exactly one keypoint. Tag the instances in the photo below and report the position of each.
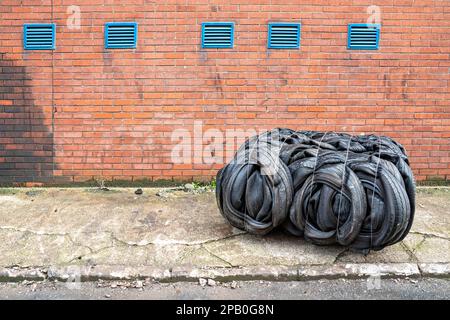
(392, 254)
(273, 249)
(55, 226)
(428, 249)
(114, 227)
(28, 249)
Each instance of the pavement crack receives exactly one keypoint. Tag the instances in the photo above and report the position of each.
(161, 242)
(420, 269)
(417, 247)
(224, 238)
(411, 254)
(229, 264)
(339, 255)
(47, 234)
(430, 235)
(38, 233)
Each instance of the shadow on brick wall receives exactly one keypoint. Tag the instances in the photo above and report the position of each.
(26, 143)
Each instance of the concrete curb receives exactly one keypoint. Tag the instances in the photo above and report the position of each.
(435, 270)
(76, 273)
(21, 274)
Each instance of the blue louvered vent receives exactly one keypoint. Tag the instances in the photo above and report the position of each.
(217, 34)
(120, 35)
(284, 36)
(363, 36)
(38, 36)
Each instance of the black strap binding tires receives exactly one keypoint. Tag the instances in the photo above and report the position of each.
(330, 188)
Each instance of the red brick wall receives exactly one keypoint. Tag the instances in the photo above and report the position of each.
(82, 111)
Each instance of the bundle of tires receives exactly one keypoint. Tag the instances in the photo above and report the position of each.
(330, 188)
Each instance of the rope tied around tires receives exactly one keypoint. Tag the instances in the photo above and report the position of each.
(330, 188)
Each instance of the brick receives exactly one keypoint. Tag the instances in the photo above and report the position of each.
(114, 110)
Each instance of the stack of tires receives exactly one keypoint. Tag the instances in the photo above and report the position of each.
(330, 188)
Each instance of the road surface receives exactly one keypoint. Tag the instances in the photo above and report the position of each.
(322, 289)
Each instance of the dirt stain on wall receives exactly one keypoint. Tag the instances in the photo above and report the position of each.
(26, 141)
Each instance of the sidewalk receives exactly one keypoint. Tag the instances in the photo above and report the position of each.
(174, 235)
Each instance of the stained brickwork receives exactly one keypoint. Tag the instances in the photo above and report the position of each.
(83, 111)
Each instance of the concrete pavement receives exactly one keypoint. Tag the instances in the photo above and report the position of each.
(179, 235)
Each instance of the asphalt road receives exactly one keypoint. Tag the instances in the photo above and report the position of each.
(323, 289)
